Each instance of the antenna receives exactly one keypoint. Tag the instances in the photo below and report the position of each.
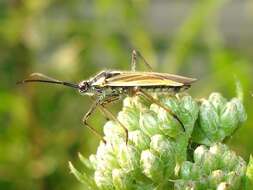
(38, 77)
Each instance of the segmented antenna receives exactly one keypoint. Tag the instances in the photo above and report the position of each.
(38, 77)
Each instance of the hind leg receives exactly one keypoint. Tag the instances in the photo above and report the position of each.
(136, 53)
(157, 102)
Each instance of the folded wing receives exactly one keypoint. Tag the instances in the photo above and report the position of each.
(132, 79)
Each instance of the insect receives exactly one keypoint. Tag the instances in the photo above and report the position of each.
(109, 86)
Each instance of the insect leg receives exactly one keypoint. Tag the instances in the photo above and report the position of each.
(108, 114)
(87, 115)
(134, 59)
(136, 53)
(112, 117)
(110, 100)
(162, 106)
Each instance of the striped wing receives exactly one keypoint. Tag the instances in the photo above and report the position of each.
(132, 79)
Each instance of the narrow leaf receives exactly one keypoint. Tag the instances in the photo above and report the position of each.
(83, 178)
(249, 175)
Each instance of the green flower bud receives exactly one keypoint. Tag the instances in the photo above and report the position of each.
(149, 123)
(240, 168)
(114, 134)
(130, 118)
(190, 105)
(181, 145)
(215, 178)
(111, 128)
(105, 158)
(209, 163)
(233, 179)
(199, 153)
(128, 157)
(93, 161)
(164, 148)
(209, 119)
(122, 180)
(188, 112)
(103, 180)
(185, 108)
(218, 119)
(161, 145)
(186, 170)
(194, 170)
(199, 136)
(229, 159)
(152, 166)
(136, 103)
(172, 103)
(139, 139)
(228, 118)
(240, 109)
(102, 150)
(218, 101)
(129, 102)
(218, 149)
(168, 125)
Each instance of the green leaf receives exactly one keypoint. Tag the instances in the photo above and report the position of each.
(86, 162)
(249, 175)
(83, 178)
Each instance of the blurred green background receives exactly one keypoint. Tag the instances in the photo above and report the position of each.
(40, 125)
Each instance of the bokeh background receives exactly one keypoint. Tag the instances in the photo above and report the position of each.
(40, 125)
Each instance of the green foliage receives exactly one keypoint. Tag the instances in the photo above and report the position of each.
(249, 175)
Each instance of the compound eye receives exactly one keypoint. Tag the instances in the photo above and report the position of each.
(83, 86)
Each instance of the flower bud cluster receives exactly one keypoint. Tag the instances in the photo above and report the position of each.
(152, 150)
(156, 153)
(218, 119)
(213, 168)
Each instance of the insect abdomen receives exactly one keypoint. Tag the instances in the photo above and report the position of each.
(166, 89)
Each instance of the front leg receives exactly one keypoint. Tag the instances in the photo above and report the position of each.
(87, 115)
(110, 115)
(100, 102)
